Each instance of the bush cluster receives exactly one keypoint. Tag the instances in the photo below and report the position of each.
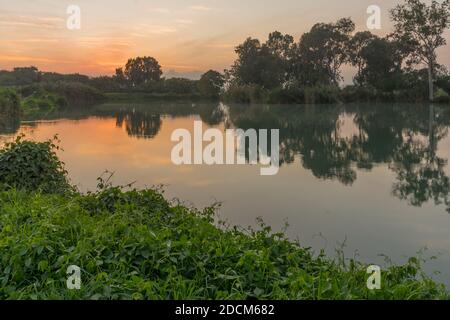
(32, 166)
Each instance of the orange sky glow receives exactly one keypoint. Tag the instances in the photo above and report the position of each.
(187, 37)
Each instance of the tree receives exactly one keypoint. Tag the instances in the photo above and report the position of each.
(280, 44)
(357, 44)
(142, 70)
(283, 47)
(422, 26)
(119, 77)
(211, 83)
(322, 51)
(380, 64)
(256, 65)
(26, 75)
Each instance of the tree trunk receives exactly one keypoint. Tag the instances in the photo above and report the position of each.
(431, 136)
(430, 81)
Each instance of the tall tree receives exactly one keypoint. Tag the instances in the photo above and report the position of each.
(256, 64)
(283, 47)
(211, 83)
(422, 26)
(358, 44)
(26, 75)
(322, 51)
(142, 70)
(380, 64)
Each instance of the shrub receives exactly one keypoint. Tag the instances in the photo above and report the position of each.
(358, 94)
(76, 94)
(32, 166)
(109, 198)
(9, 111)
(322, 94)
(249, 93)
(444, 83)
(9, 103)
(42, 103)
(441, 96)
(287, 95)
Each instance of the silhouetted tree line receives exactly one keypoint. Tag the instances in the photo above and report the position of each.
(309, 70)
(145, 74)
(404, 137)
(141, 74)
(282, 70)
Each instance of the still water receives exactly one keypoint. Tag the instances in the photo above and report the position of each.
(374, 177)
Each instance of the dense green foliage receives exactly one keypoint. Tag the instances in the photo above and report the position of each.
(38, 102)
(210, 84)
(68, 94)
(136, 245)
(42, 103)
(421, 26)
(32, 166)
(140, 70)
(137, 79)
(45, 99)
(250, 93)
(9, 103)
(287, 70)
(9, 110)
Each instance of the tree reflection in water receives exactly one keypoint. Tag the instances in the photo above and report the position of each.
(405, 138)
(140, 124)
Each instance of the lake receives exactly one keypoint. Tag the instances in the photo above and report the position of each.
(374, 178)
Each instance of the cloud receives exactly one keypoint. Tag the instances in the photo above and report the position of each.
(184, 21)
(33, 22)
(17, 58)
(158, 10)
(34, 40)
(200, 8)
(146, 29)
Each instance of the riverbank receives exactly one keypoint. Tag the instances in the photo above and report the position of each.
(134, 244)
(151, 96)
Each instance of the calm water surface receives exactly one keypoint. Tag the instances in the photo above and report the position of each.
(373, 176)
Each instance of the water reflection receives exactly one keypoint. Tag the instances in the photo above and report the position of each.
(405, 138)
(332, 142)
(139, 124)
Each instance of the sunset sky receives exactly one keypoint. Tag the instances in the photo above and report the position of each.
(187, 37)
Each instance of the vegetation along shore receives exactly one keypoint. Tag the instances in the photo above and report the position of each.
(134, 244)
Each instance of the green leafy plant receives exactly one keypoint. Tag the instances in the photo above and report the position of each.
(134, 244)
(137, 245)
(322, 94)
(32, 166)
(9, 103)
(42, 103)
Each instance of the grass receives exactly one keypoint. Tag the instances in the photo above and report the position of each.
(65, 94)
(134, 244)
(42, 104)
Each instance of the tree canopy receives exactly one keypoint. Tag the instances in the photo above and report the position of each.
(422, 26)
(142, 70)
